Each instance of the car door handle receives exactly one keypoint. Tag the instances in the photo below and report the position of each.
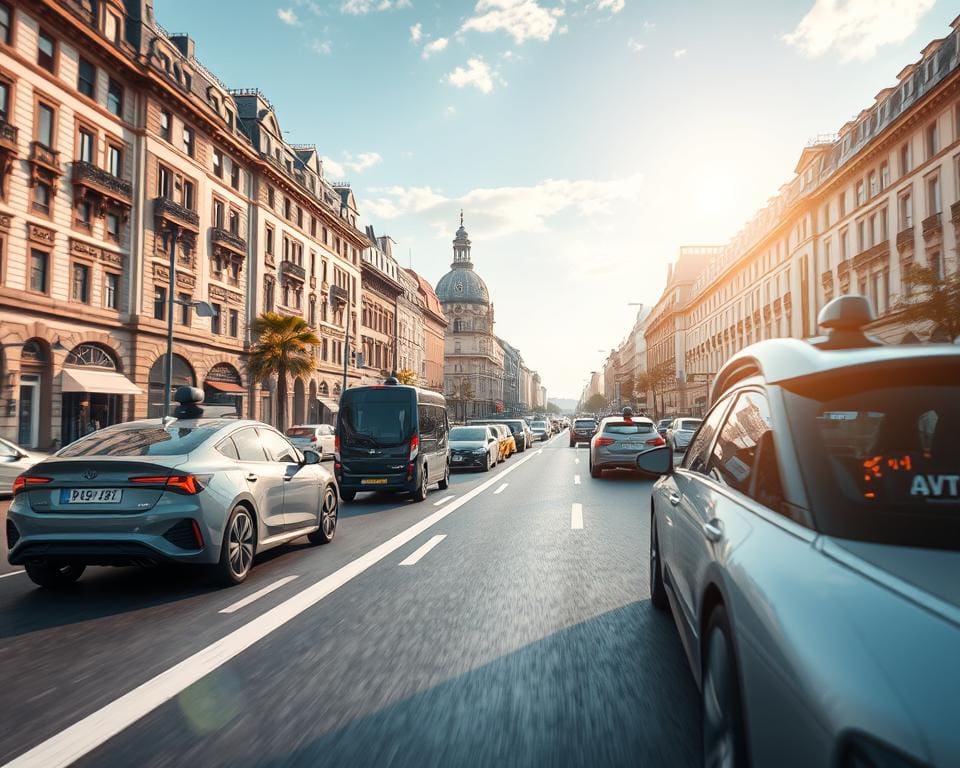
(252, 477)
(674, 498)
(713, 530)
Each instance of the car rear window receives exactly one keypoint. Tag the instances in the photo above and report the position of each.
(628, 428)
(138, 441)
(300, 432)
(690, 424)
(584, 424)
(468, 433)
(881, 454)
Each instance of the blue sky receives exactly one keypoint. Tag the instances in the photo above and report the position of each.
(586, 140)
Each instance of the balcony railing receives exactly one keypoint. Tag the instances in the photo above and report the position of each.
(8, 136)
(88, 175)
(176, 213)
(227, 238)
(339, 294)
(905, 239)
(45, 157)
(932, 226)
(865, 257)
(291, 269)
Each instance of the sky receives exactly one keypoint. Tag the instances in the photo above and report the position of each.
(585, 140)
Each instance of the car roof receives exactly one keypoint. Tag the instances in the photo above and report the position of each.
(638, 419)
(779, 360)
(188, 423)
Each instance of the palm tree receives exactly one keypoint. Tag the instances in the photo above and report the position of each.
(407, 376)
(934, 299)
(283, 346)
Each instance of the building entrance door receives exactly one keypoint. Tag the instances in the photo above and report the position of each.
(28, 433)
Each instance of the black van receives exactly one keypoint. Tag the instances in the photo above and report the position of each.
(391, 437)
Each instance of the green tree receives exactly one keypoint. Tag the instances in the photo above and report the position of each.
(656, 380)
(553, 408)
(283, 347)
(407, 376)
(627, 389)
(933, 299)
(596, 403)
(462, 394)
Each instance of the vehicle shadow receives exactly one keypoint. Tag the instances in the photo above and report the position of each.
(371, 503)
(613, 690)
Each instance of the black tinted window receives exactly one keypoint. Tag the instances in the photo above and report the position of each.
(139, 441)
(468, 433)
(248, 445)
(625, 428)
(277, 447)
(229, 449)
(377, 416)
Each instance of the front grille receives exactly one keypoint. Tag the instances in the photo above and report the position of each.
(181, 535)
(13, 535)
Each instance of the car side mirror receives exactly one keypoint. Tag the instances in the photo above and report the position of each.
(310, 457)
(658, 461)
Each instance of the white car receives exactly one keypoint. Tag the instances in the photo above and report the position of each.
(315, 437)
(13, 461)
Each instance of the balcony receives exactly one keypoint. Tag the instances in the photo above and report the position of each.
(45, 158)
(905, 240)
(8, 137)
(878, 252)
(88, 178)
(932, 227)
(826, 278)
(339, 295)
(293, 271)
(787, 301)
(169, 213)
(227, 239)
(777, 306)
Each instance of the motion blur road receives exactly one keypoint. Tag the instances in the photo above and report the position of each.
(519, 639)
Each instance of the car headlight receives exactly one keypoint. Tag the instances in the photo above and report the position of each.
(480, 450)
(862, 751)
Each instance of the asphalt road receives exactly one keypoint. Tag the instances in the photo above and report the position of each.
(518, 639)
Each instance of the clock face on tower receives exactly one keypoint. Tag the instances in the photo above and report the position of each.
(459, 286)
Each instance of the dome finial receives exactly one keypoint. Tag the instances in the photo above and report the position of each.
(461, 217)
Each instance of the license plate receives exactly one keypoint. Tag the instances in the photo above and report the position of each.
(458, 458)
(90, 495)
(373, 481)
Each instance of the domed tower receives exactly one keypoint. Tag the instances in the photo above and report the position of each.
(473, 359)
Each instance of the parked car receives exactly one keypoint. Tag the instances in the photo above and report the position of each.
(618, 441)
(192, 490)
(508, 446)
(680, 432)
(540, 429)
(13, 461)
(474, 447)
(663, 425)
(522, 436)
(316, 437)
(391, 437)
(808, 547)
(582, 431)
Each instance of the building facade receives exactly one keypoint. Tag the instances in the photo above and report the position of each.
(434, 335)
(410, 328)
(380, 276)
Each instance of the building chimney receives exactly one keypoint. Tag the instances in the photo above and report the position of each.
(184, 44)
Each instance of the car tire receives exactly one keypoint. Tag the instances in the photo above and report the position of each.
(445, 482)
(329, 512)
(487, 466)
(238, 547)
(724, 735)
(347, 496)
(658, 592)
(420, 494)
(54, 575)
(595, 472)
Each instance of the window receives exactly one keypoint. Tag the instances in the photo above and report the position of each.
(229, 449)
(84, 214)
(188, 140)
(218, 210)
(844, 244)
(248, 445)
(234, 323)
(884, 175)
(313, 311)
(932, 139)
(933, 194)
(115, 98)
(164, 182)
(277, 447)
(861, 194)
(269, 244)
(4, 102)
(234, 175)
(165, 125)
(112, 27)
(80, 283)
(113, 227)
(271, 197)
(696, 457)
(935, 263)
(874, 184)
(42, 193)
(215, 320)
(87, 145)
(115, 160)
(159, 303)
(313, 227)
(826, 253)
(87, 78)
(183, 301)
(46, 51)
(46, 118)
(6, 26)
(39, 261)
(218, 163)
(905, 205)
(299, 216)
(111, 290)
(188, 197)
(268, 301)
(842, 204)
(234, 223)
(906, 158)
(286, 208)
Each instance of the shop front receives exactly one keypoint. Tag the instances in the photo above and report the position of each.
(223, 386)
(92, 390)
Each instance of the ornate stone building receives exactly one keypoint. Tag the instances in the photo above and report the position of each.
(434, 334)
(473, 358)
(380, 276)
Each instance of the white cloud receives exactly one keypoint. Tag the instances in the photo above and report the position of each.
(363, 161)
(521, 19)
(312, 6)
(363, 7)
(680, 52)
(563, 30)
(649, 24)
(434, 46)
(635, 45)
(323, 47)
(416, 32)
(450, 111)
(856, 28)
(614, 6)
(337, 170)
(332, 170)
(288, 17)
(477, 73)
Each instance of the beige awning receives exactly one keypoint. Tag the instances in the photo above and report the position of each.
(332, 404)
(98, 381)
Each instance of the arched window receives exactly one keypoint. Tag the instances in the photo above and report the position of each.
(91, 355)
(324, 388)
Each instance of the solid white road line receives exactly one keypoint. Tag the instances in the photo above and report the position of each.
(12, 573)
(95, 729)
(418, 554)
(258, 594)
(501, 489)
(576, 517)
(444, 500)
(576, 479)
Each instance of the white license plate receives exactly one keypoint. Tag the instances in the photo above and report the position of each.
(458, 458)
(90, 495)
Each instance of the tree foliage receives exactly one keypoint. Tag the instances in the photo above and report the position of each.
(596, 403)
(407, 376)
(933, 299)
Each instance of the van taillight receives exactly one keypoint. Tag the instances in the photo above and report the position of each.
(414, 447)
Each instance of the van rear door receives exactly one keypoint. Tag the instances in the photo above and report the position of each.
(375, 426)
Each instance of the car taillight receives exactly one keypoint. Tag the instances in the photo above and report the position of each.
(656, 441)
(23, 482)
(313, 438)
(336, 444)
(601, 441)
(186, 484)
(414, 447)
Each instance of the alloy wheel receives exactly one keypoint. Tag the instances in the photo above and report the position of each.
(719, 704)
(240, 543)
(328, 514)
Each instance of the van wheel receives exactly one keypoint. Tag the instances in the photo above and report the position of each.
(54, 575)
(420, 494)
(445, 482)
(347, 496)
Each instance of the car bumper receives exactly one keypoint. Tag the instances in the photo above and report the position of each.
(468, 461)
(602, 459)
(575, 438)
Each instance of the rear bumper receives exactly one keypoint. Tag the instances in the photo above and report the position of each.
(468, 461)
(606, 460)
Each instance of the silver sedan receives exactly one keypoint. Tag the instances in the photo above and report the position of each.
(618, 441)
(199, 491)
(13, 461)
(680, 433)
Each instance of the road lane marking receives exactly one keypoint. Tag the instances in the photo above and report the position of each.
(84, 736)
(501, 489)
(576, 460)
(539, 452)
(258, 594)
(418, 555)
(576, 479)
(12, 573)
(444, 500)
(576, 517)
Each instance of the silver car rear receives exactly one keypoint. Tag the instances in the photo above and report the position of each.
(619, 441)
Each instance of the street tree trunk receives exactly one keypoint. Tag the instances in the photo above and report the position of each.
(282, 398)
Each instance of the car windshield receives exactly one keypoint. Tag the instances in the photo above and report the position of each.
(464, 434)
(628, 428)
(538, 425)
(882, 448)
(139, 441)
(689, 425)
(300, 432)
(380, 416)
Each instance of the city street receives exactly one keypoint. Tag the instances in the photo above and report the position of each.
(523, 636)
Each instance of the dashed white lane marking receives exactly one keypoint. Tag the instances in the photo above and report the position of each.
(12, 573)
(443, 500)
(501, 489)
(576, 460)
(576, 479)
(576, 517)
(95, 729)
(418, 554)
(258, 594)
(540, 451)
